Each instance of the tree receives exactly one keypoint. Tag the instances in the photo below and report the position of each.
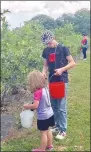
(46, 21)
(3, 13)
(65, 19)
(5, 24)
(82, 21)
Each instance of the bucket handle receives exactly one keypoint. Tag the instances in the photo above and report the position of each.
(52, 76)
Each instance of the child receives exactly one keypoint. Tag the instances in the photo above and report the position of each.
(45, 117)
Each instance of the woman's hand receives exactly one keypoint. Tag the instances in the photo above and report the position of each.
(58, 71)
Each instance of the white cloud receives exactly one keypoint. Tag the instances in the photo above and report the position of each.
(72, 7)
(43, 6)
(22, 6)
(25, 10)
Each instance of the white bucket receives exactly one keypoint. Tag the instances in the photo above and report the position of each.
(26, 117)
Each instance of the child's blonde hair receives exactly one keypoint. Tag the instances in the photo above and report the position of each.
(36, 81)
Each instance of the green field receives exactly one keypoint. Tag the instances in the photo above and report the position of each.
(78, 133)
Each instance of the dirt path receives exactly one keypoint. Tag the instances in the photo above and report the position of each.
(10, 113)
(7, 123)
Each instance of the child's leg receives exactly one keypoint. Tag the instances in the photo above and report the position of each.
(49, 137)
(43, 140)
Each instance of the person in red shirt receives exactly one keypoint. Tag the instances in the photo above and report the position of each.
(84, 46)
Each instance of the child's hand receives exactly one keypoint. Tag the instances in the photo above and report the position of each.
(26, 106)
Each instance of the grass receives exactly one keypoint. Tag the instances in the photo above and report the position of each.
(78, 134)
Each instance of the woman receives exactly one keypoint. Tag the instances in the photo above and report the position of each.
(84, 46)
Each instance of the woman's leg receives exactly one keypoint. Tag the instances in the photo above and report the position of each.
(84, 53)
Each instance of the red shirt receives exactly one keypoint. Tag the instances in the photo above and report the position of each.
(84, 41)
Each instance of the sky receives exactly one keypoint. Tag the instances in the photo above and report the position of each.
(24, 10)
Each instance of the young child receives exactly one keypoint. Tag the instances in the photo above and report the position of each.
(45, 117)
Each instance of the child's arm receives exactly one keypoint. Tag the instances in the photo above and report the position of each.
(35, 104)
(32, 106)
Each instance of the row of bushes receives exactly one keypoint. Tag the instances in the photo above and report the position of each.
(21, 51)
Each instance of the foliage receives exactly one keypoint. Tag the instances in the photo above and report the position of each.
(69, 38)
(21, 48)
(46, 21)
(80, 20)
(65, 19)
(3, 13)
